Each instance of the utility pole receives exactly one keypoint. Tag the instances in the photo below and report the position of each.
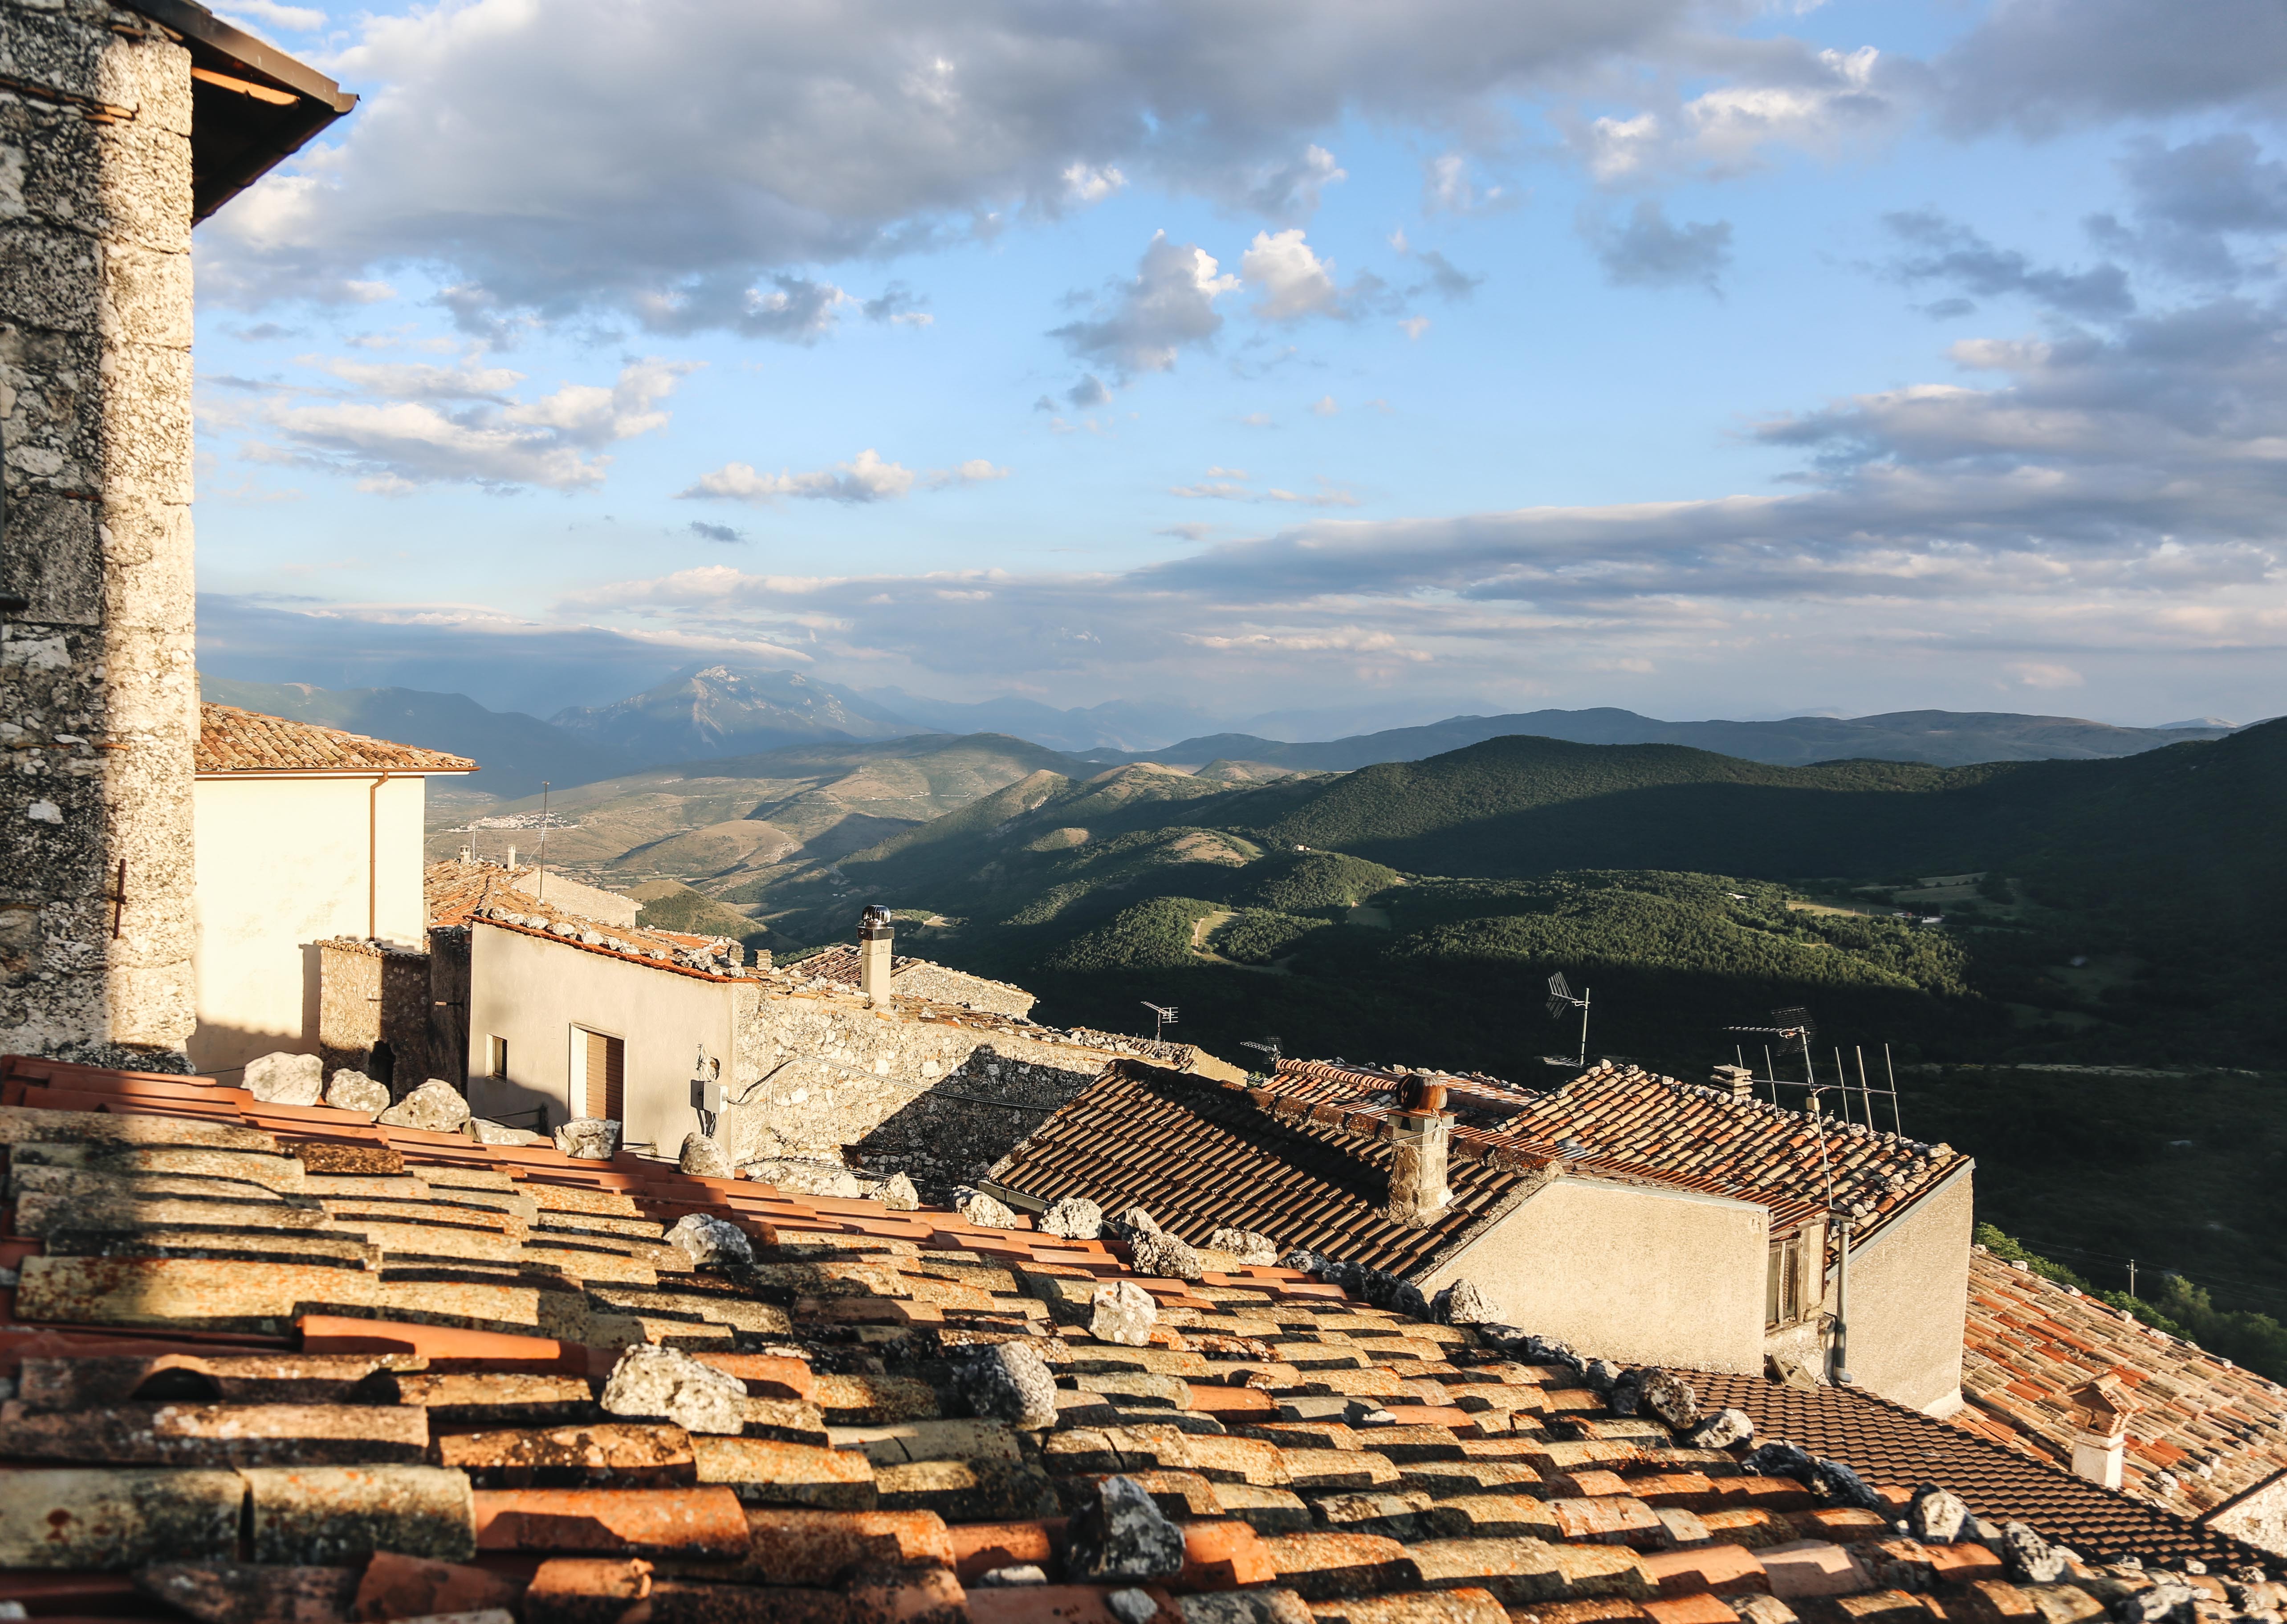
(2132, 1277)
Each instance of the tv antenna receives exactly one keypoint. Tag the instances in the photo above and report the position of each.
(1163, 1016)
(1269, 1045)
(1561, 1002)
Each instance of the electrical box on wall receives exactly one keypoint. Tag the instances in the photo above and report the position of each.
(706, 1094)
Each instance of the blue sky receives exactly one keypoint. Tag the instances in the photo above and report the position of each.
(1708, 360)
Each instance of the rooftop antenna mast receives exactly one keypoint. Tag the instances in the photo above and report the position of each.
(1561, 1002)
(1163, 1016)
(1269, 1045)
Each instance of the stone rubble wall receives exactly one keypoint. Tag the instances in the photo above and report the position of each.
(369, 992)
(98, 702)
(825, 1076)
(940, 985)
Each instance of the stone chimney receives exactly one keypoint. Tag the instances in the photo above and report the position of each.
(874, 941)
(1737, 1081)
(2098, 1412)
(1418, 1187)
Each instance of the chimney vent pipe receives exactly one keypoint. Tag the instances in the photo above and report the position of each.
(874, 943)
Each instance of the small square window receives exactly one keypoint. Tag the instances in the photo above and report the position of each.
(496, 1058)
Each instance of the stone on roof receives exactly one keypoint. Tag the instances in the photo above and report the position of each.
(380, 1363)
(235, 741)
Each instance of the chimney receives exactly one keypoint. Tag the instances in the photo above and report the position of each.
(1418, 1190)
(2099, 1412)
(874, 937)
(511, 862)
(1737, 1081)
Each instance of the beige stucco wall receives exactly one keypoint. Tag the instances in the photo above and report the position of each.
(1629, 1272)
(284, 864)
(534, 992)
(1908, 1296)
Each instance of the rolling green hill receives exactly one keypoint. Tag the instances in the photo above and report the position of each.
(1410, 909)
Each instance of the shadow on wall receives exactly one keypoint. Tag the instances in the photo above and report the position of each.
(967, 1120)
(517, 1105)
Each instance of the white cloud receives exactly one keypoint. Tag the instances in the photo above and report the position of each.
(2033, 673)
(1776, 95)
(260, 16)
(977, 470)
(843, 134)
(1415, 326)
(1167, 304)
(395, 435)
(1447, 188)
(1291, 281)
(1087, 184)
(1325, 406)
(864, 478)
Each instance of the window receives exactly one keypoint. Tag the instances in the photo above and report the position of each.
(606, 1068)
(496, 1058)
(1782, 1282)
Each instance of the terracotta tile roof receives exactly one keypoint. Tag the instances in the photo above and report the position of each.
(2203, 1429)
(235, 741)
(275, 1363)
(461, 894)
(1201, 1153)
(1305, 1151)
(1893, 1444)
(1619, 1120)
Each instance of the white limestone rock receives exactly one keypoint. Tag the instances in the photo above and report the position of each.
(353, 1090)
(986, 1211)
(1672, 1399)
(592, 1138)
(704, 1158)
(798, 1176)
(1724, 1428)
(1250, 1246)
(655, 1382)
(282, 1078)
(1008, 1380)
(490, 1132)
(436, 1106)
(1075, 1218)
(1123, 1313)
(1152, 1250)
(1463, 1304)
(711, 1242)
(896, 1192)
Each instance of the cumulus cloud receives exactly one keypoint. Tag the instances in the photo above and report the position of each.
(1448, 187)
(1776, 94)
(977, 470)
(402, 426)
(1647, 251)
(1143, 322)
(1944, 251)
(871, 129)
(1291, 283)
(866, 478)
(715, 533)
(2044, 65)
(2193, 208)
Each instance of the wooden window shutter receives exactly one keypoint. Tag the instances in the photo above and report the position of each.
(607, 1072)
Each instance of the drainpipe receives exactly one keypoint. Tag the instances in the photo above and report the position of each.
(1838, 1359)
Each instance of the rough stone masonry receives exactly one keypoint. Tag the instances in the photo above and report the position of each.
(98, 695)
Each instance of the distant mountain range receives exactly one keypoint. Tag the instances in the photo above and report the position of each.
(1942, 738)
(718, 710)
(515, 752)
(707, 712)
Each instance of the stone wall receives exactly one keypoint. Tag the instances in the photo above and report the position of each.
(371, 992)
(918, 1090)
(98, 695)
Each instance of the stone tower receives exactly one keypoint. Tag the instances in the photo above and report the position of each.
(120, 129)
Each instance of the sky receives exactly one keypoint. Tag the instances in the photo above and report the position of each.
(1341, 358)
